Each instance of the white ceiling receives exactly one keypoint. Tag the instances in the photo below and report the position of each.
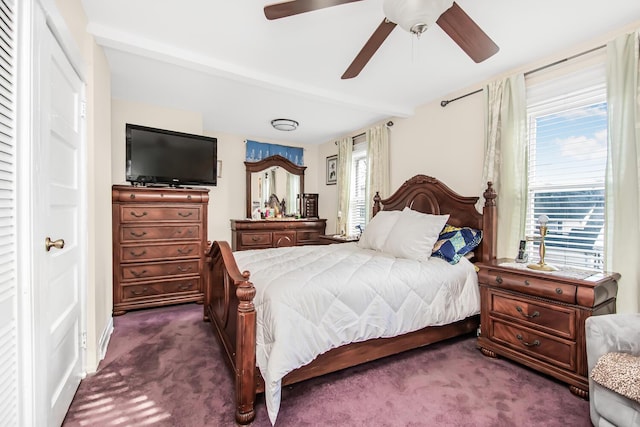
(224, 59)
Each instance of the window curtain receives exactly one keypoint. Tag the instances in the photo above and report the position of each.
(378, 179)
(622, 182)
(345, 148)
(505, 159)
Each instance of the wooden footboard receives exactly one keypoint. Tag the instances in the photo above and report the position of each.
(228, 305)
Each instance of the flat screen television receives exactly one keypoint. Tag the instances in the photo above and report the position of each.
(158, 156)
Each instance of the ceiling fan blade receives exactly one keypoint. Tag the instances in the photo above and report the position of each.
(371, 46)
(281, 10)
(467, 34)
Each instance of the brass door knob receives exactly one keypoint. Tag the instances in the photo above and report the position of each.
(48, 244)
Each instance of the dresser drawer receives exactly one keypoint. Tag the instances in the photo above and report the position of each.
(556, 351)
(307, 236)
(157, 289)
(149, 270)
(152, 213)
(159, 252)
(553, 319)
(256, 239)
(284, 238)
(137, 233)
(531, 286)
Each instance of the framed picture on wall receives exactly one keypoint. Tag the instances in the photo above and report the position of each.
(332, 169)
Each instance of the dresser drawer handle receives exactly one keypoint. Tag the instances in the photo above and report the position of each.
(185, 287)
(255, 238)
(558, 291)
(144, 251)
(137, 215)
(536, 343)
(185, 251)
(526, 283)
(185, 214)
(528, 316)
(182, 269)
(138, 274)
(143, 291)
(134, 234)
(498, 280)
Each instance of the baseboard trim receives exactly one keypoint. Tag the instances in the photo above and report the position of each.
(104, 339)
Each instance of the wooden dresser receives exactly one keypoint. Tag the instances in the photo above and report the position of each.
(538, 318)
(273, 233)
(159, 239)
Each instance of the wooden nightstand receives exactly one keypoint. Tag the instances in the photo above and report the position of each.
(328, 239)
(537, 318)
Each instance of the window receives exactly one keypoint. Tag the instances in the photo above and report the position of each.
(357, 201)
(567, 152)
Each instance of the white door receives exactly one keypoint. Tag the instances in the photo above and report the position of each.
(60, 232)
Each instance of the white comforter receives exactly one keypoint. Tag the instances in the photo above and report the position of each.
(310, 299)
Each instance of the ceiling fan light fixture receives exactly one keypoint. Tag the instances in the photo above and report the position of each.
(415, 16)
(286, 125)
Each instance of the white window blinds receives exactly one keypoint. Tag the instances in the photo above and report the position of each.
(567, 129)
(357, 205)
(8, 281)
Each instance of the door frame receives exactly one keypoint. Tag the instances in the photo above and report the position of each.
(34, 16)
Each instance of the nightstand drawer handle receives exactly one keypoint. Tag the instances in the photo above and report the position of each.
(143, 291)
(134, 234)
(182, 269)
(536, 343)
(528, 316)
(558, 291)
(185, 287)
(185, 251)
(498, 280)
(255, 238)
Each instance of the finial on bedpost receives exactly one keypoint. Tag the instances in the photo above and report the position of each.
(489, 224)
(489, 195)
(376, 203)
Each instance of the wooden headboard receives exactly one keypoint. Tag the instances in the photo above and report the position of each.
(427, 194)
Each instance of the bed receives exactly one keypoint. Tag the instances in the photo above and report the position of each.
(239, 296)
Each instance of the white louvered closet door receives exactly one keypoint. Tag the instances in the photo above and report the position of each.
(8, 280)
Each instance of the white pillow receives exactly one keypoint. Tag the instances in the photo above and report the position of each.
(376, 232)
(414, 234)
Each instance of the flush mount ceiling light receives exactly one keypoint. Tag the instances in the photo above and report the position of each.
(415, 16)
(284, 124)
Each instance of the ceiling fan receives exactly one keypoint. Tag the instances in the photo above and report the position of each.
(414, 16)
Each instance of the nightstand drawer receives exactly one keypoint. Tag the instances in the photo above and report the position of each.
(536, 314)
(555, 351)
(531, 286)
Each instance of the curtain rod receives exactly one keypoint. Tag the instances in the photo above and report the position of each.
(388, 124)
(535, 70)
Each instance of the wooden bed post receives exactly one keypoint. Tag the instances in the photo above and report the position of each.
(376, 204)
(246, 353)
(489, 224)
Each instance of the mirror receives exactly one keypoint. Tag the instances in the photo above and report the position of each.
(273, 180)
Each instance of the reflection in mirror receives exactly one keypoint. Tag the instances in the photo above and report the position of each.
(274, 182)
(277, 182)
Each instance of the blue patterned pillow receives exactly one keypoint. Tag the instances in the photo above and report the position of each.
(456, 242)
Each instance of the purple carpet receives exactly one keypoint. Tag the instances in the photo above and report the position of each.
(164, 367)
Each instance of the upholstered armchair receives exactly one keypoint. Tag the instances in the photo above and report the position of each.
(613, 357)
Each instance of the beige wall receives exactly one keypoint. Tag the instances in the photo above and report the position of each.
(98, 127)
